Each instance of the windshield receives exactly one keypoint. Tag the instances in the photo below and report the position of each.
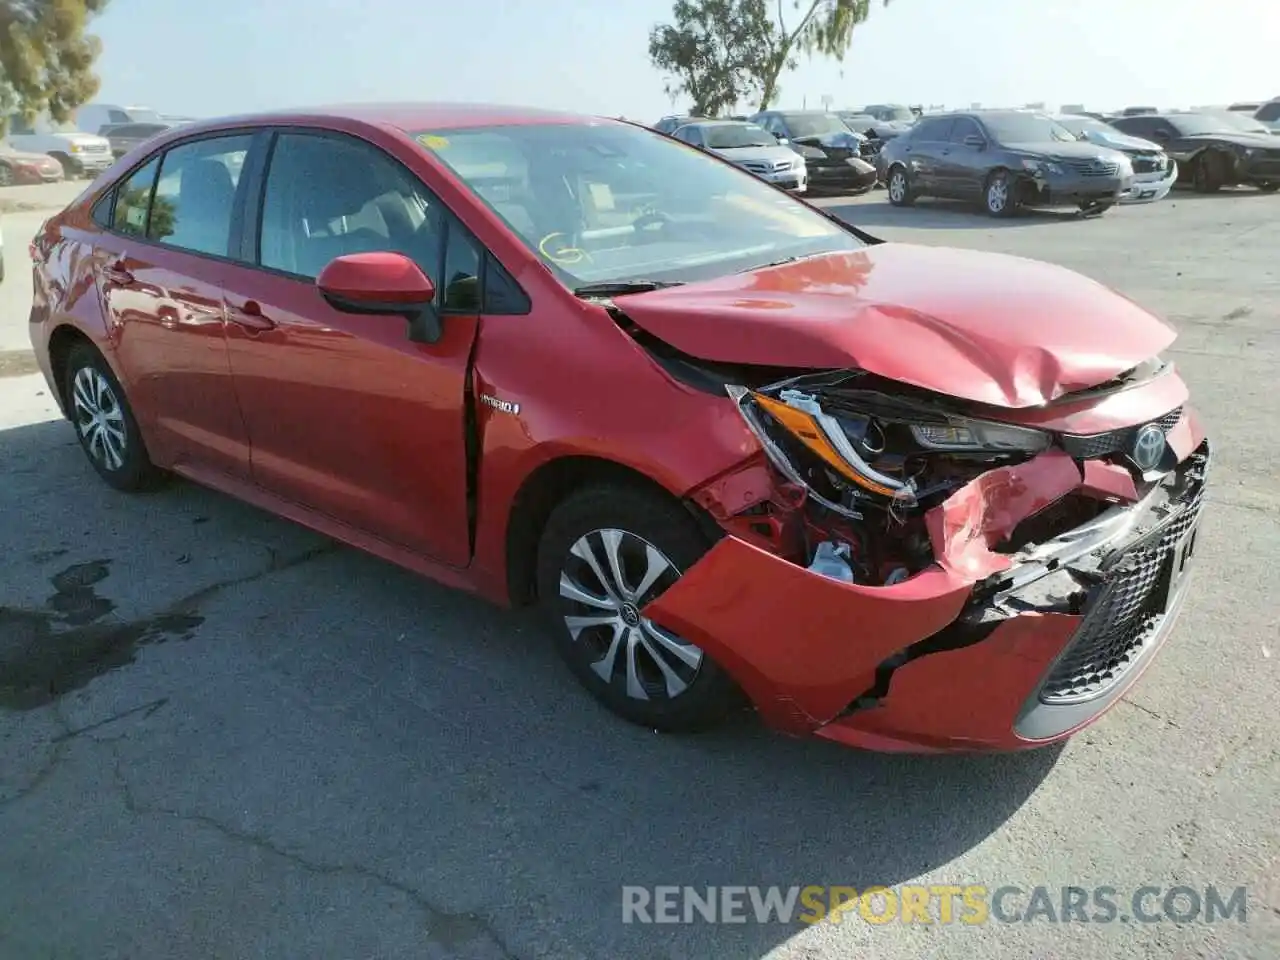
(895, 114)
(1082, 125)
(1026, 128)
(1244, 124)
(1194, 124)
(813, 124)
(143, 115)
(729, 136)
(605, 202)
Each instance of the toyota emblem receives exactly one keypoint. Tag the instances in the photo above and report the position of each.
(1148, 447)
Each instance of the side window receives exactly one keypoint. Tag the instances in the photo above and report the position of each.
(963, 127)
(195, 195)
(118, 116)
(461, 287)
(133, 199)
(1269, 113)
(328, 196)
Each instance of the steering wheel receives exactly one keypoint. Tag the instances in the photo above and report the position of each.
(650, 224)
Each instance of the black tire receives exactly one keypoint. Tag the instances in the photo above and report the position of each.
(1207, 175)
(1000, 184)
(644, 518)
(70, 168)
(128, 467)
(900, 193)
(1269, 187)
(1094, 209)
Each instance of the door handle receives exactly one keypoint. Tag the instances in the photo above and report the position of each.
(116, 273)
(250, 316)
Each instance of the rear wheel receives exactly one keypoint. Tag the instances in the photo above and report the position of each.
(1000, 194)
(606, 552)
(899, 187)
(105, 424)
(1269, 187)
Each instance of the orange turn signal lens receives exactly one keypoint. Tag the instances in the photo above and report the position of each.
(806, 429)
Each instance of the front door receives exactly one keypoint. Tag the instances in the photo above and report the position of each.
(164, 262)
(346, 415)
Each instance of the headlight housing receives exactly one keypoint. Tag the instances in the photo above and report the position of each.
(879, 448)
(1040, 166)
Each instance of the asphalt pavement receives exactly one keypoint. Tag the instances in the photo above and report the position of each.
(237, 739)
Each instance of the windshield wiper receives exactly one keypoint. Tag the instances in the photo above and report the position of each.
(616, 288)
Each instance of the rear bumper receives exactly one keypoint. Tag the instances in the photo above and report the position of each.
(980, 651)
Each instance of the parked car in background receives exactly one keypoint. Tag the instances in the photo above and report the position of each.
(1243, 122)
(1004, 159)
(1154, 173)
(837, 158)
(751, 147)
(1210, 149)
(900, 116)
(1249, 107)
(123, 137)
(673, 123)
(876, 131)
(80, 154)
(899, 496)
(1137, 111)
(92, 117)
(18, 167)
(1269, 115)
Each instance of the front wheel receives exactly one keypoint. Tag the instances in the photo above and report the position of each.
(899, 188)
(1207, 176)
(1269, 187)
(999, 196)
(105, 423)
(606, 552)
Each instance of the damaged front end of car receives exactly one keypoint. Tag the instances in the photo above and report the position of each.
(903, 572)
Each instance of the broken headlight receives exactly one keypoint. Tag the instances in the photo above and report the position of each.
(979, 435)
(867, 446)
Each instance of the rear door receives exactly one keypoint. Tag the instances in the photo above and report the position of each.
(924, 153)
(166, 246)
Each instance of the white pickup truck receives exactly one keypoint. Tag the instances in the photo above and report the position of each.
(81, 154)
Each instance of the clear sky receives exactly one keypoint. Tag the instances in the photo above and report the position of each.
(228, 56)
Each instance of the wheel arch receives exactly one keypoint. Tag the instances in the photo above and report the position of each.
(550, 484)
(62, 340)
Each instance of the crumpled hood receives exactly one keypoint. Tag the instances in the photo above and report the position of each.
(983, 327)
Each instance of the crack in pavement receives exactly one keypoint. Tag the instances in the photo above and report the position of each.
(448, 929)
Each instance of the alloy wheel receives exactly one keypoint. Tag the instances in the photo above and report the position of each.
(99, 418)
(6, 175)
(897, 186)
(997, 195)
(607, 579)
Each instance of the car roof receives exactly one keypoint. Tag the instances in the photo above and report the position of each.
(719, 122)
(408, 116)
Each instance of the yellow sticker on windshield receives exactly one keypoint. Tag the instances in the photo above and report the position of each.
(433, 142)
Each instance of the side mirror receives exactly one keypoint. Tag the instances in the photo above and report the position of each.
(383, 284)
(975, 141)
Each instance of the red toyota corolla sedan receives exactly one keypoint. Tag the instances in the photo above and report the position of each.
(907, 498)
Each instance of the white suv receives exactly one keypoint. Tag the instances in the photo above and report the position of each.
(81, 154)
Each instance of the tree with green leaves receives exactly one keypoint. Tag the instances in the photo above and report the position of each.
(723, 51)
(712, 52)
(46, 58)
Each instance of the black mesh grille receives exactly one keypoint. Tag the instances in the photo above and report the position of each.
(1116, 441)
(1123, 618)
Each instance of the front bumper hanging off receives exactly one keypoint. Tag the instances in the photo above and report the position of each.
(981, 650)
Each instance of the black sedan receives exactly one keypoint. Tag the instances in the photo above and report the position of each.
(1005, 159)
(1212, 151)
(836, 158)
